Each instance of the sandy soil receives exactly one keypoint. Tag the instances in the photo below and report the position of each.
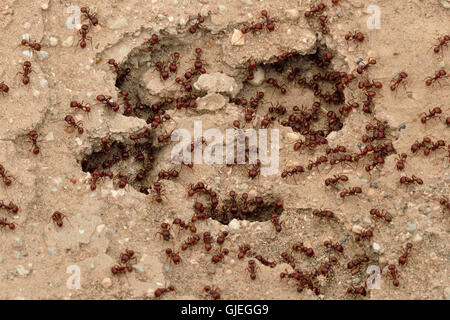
(100, 224)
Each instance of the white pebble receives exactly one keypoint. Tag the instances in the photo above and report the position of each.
(106, 283)
(49, 137)
(44, 83)
(376, 247)
(237, 39)
(27, 25)
(53, 41)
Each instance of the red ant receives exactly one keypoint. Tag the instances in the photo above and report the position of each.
(77, 125)
(4, 88)
(337, 247)
(127, 256)
(35, 46)
(159, 66)
(353, 191)
(83, 32)
(289, 259)
(193, 29)
(365, 234)
(407, 181)
(91, 16)
(57, 218)
(431, 114)
(123, 180)
(404, 257)
(345, 110)
(4, 176)
(108, 102)
(438, 74)
(357, 36)
(172, 173)
(96, 175)
(365, 66)
(33, 135)
(275, 84)
(382, 215)
(266, 262)
(269, 23)
(335, 180)
(323, 213)
(4, 223)
(296, 170)
(243, 251)
(81, 106)
(401, 161)
(173, 64)
(160, 291)
(300, 247)
(220, 256)
(314, 10)
(158, 190)
(394, 275)
(395, 82)
(152, 41)
(26, 71)
(212, 292)
(252, 269)
(355, 263)
(319, 160)
(442, 43)
(11, 207)
(164, 232)
(190, 242)
(357, 290)
(174, 256)
(122, 74)
(186, 85)
(370, 84)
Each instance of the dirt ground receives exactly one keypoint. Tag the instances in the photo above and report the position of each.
(39, 260)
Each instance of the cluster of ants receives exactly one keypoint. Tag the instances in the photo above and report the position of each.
(300, 119)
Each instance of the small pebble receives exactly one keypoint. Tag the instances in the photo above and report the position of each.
(44, 83)
(411, 227)
(51, 251)
(22, 271)
(140, 269)
(222, 9)
(376, 247)
(68, 42)
(53, 41)
(106, 283)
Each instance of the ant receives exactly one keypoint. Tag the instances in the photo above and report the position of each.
(335, 180)
(91, 16)
(365, 234)
(190, 242)
(127, 256)
(319, 160)
(382, 215)
(97, 175)
(173, 65)
(57, 218)
(212, 292)
(252, 269)
(296, 170)
(174, 256)
(353, 191)
(121, 269)
(323, 213)
(221, 237)
(4, 223)
(289, 259)
(266, 262)
(355, 263)
(172, 173)
(107, 101)
(394, 275)
(164, 232)
(358, 290)
(243, 250)
(11, 207)
(365, 66)
(83, 32)
(158, 190)
(432, 79)
(276, 222)
(4, 176)
(401, 161)
(300, 247)
(186, 85)
(81, 106)
(357, 36)
(404, 257)
(431, 114)
(396, 81)
(320, 7)
(337, 247)
(407, 181)
(159, 66)
(152, 41)
(445, 203)
(160, 291)
(35, 46)
(193, 29)
(121, 73)
(220, 256)
(442, 43)
(26, 71)
(77, 125)
(4, 88)
(269, 23)
(33, 135)
(370, 84)
(275, 84)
